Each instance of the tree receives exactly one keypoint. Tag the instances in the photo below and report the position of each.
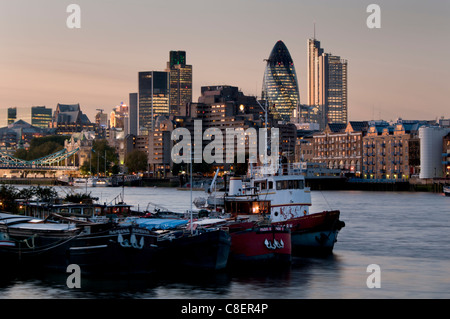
(136, 161)
(8, 195)
(103, 160)
(41, 146)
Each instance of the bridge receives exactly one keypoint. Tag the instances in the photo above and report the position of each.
(49, 162)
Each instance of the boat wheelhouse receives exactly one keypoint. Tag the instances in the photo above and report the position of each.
(288, 195)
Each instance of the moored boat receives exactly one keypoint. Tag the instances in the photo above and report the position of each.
(446, 190)
(315, 233)
(103, 182)
(290, 201)
(107, 248)
(205, 248)
(84, 182)
(253, 238)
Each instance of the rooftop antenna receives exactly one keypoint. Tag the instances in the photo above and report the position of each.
(314, 30)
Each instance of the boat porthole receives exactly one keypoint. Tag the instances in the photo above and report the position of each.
(276, 213)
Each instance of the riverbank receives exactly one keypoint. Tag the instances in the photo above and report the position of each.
(435, 186)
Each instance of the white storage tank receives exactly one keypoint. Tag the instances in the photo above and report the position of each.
(431, 151)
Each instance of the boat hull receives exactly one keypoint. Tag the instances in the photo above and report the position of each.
(122, 250)
(314, 243)
(271, 244)
(447, 191)
(206, 250)
(315, 233)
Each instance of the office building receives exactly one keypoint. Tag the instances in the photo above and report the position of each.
(133, 114)
(159, 147)
(180, 81)
(38, 116)
(280, 84)
(153, 98)
(7, 116)
(327, 86)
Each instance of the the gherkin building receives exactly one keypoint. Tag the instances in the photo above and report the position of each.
(280, 86)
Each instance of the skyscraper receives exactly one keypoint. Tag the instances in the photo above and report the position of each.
(327, 86)
(280, 86)
(133, 114)
(153, 98)
(180, 80)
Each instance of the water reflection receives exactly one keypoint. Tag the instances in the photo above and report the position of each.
(404, 233)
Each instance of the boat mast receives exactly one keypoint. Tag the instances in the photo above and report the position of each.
(265, 109)
(190, 178)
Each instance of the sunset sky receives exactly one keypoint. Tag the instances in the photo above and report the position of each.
(400, 70)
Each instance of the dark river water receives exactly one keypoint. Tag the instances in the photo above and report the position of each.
(406, 235)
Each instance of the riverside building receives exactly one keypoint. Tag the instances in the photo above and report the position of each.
(392, 151)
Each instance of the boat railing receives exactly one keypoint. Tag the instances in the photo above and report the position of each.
(299, 168)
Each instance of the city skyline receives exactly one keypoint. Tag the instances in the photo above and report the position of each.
(396, 71)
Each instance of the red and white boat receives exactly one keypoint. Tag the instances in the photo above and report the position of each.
(290, 201)
(253, 237)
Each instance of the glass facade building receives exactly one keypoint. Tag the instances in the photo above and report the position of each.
(180, 81)
(41, 116)
(154, 94)
(327, 86)
(38, 116)
(280, 85)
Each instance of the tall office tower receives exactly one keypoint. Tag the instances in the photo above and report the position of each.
(327, 86)
(7, 116)
(180, 81)
(153, 98)
(133, 114)
(41, 116)
(280, 86)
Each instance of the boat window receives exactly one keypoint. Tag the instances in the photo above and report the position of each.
(270, 185)
(261, 185)
(291, 184)
(301, 184)
(76, 211)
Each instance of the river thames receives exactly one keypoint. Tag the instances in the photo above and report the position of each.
(405, 234)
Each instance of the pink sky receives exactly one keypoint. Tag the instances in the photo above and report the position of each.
(400, 70)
